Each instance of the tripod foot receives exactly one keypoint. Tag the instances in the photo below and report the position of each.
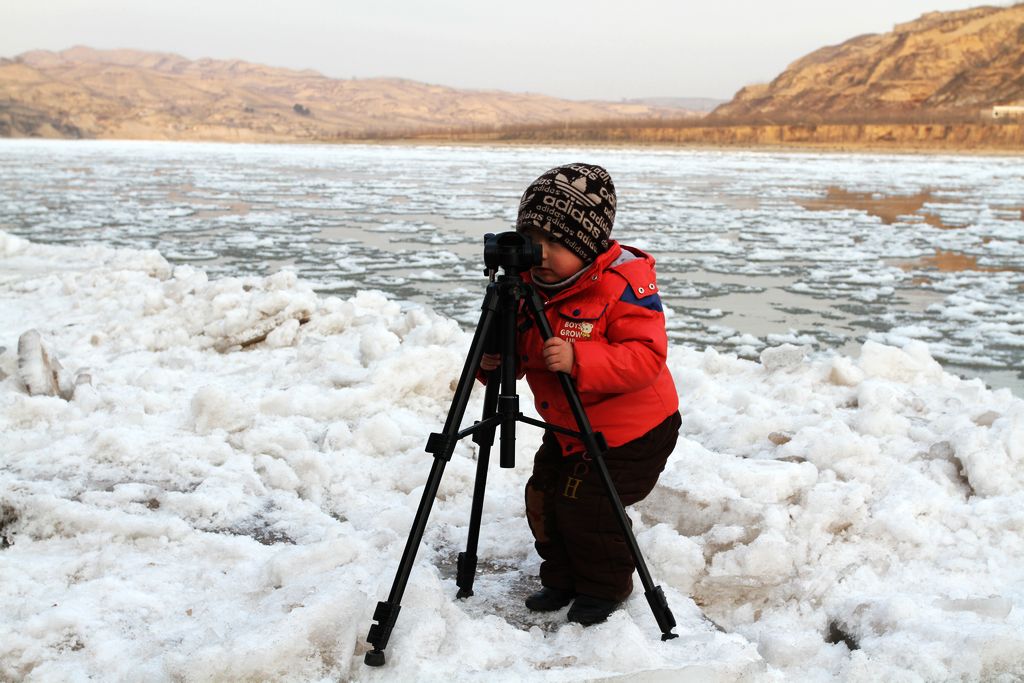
(465, 574)
(662, 614)
(385, 615)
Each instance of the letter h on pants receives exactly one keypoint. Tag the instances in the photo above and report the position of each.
(574, 525)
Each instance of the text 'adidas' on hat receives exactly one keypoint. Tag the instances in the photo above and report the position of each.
(575, 205)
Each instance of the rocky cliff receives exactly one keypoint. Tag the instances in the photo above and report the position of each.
(953, 63)
(82, 92)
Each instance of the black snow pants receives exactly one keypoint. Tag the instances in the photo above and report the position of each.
(577, 534)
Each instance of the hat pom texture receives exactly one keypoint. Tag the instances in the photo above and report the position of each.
(574, 205)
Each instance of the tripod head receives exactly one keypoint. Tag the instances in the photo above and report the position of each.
(511, 251)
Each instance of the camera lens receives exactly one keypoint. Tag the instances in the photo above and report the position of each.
(512, 251)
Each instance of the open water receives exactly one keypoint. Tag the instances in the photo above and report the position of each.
(754, 248)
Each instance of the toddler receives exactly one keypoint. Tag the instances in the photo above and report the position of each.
(602, 301)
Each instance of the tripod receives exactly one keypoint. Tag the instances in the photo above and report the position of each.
(496, 331)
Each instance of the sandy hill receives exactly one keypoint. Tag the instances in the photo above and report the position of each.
(82, 92)
(944, 62)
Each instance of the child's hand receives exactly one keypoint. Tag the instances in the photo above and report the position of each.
(558, 355)
(490, 361)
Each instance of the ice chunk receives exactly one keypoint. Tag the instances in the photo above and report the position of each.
(912, 364)
(995, 607)
(784, 356)
(259, 330)
(40, 371)
(987, 418)
(845, 373)
(215, 408)
(11, 244)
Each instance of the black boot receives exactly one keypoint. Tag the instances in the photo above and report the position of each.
(549, 599)
(587, 610)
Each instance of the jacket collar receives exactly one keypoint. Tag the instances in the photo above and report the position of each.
(591, 275)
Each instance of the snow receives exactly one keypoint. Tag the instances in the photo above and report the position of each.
(228, 495)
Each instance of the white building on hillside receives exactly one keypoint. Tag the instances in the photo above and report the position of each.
(1008, 111)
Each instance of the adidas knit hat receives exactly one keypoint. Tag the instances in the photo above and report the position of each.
(575, 205)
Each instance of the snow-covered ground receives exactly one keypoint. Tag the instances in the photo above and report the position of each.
(206, 508)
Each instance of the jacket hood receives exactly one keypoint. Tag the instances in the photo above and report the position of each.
(634, 265)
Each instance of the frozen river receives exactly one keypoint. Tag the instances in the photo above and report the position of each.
(753, 248)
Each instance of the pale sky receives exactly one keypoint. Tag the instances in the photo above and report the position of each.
(589, 49)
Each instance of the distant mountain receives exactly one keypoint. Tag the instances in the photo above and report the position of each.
(82, 92)
(944, 62)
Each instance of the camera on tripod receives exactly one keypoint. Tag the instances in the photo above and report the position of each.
(512, 251)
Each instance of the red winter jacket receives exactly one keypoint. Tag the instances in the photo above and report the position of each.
(614, 318)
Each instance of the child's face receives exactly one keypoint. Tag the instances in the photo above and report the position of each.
(557, 262)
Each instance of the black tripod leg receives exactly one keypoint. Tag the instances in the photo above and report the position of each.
(508, 399)
(441, 445)
(655, 596)
(596, 448)
(485, 439)
(386, 613)
(500, 399)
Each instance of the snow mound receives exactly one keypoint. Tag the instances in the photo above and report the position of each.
(230, 495)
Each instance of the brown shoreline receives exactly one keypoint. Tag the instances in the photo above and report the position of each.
(792, 148)
(1003, 139)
